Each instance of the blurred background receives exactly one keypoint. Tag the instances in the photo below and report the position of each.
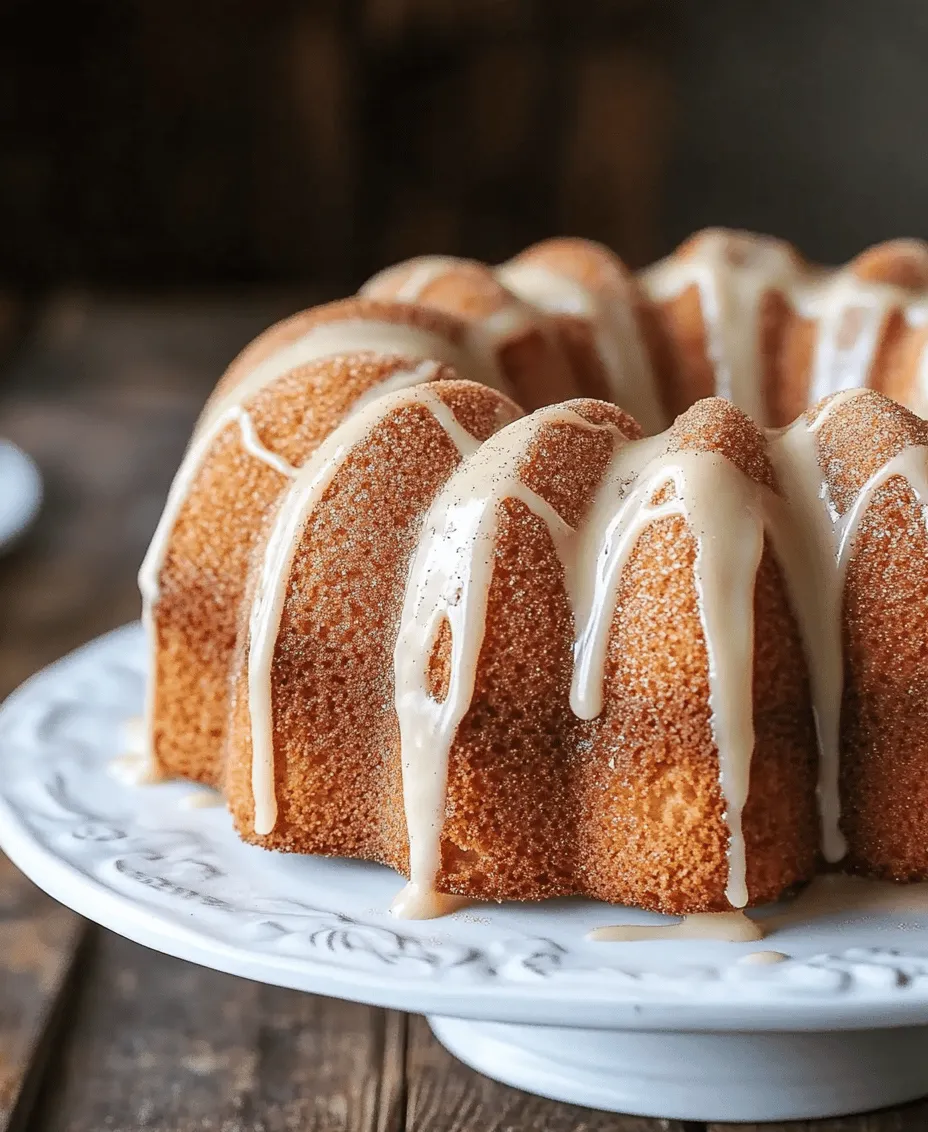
(167, 142)
(177, 174)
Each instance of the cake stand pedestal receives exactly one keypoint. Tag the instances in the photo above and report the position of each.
(677, 1028)
(699, 1076)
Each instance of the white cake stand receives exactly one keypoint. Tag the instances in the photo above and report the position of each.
(676, 1028)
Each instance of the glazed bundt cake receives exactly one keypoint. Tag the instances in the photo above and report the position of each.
(515, 656)
(729, 314)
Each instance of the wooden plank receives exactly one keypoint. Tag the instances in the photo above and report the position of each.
(38, 944)
(907, 1118)
(166, 1046)
(445, 1096)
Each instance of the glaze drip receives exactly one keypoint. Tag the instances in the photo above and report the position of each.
(295, 512)
(807, 553)
(732, 277)
(814, 544)
(733, 271)
(150, 572)
(451, 574)
(486, 334)
(727, 514)
(344, 337)
(449, 581)
(618, 341)
(339, 338)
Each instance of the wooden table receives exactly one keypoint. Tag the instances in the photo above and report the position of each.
(97, 1033)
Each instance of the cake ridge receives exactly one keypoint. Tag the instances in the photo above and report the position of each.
(273, 572)
(630, 381)
(357, 336)
(449, 582)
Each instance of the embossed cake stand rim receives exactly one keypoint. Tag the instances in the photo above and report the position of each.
(532, 989)
(622, 1068)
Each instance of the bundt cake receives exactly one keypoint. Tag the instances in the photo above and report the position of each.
(516, 656)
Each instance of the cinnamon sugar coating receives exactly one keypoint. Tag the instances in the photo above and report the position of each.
(884, 711)
(626, 807)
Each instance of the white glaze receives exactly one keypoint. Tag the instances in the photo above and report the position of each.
(422, 271)
(734, 270)
(727, 513)
(401, 379)
(911, 465)
(918, 402)
(547, 289)
(729, 927)
(724, 510)
(327, 339)
(814, 543)
(808, 556)
(763, 958)
(618, 341)
(450, 578)
(840, 895)
(254, 447)
(732, 274)
(202, 800)
(274, 571)
(850, 314)
(484, 336)
(201, 443)
(150, 571)
(358, 335)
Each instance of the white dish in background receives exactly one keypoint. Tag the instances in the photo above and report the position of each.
(678, 1028)
(20, 492)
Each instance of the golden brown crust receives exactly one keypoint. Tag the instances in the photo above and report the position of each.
(335, 734)
(653, 829)
(715, 425)
(900, 263)
(787, 337)
(510, 824)
(884, 721)
(691, 375)
(203, 578)
(289, 330)
(528, 348)
(602, 272)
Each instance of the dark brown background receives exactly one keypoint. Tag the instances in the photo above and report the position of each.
(171, 141)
